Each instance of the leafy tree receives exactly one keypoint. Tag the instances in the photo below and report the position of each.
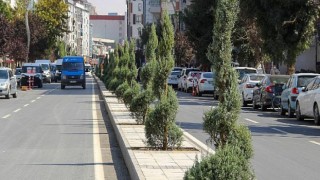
(287, 27)
(54, 13)
(5, 10)
(160, 121)
(182, 49)
(6, 33)
(114, 83)
(232, 141)
(198, 18)
(141, 103)
(60, 49)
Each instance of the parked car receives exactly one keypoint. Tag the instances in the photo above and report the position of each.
(205, 83)
(8, 83)
(58, 64)
(191, 81)
(244, 70)
(173, 79)
(308, 101)
(291, 91)
(17, 73)
(247, 85)
(32, 71)
(267, 88)
(183, 77)
(177, 69)
(46, 71)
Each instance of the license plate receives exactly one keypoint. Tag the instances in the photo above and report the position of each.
(73, 81)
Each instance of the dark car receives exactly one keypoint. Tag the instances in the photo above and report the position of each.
(266, 89)
(31, 71)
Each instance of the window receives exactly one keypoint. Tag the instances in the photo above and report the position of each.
(309, 86)
(134, 19)
(316, 84)
(138, 19)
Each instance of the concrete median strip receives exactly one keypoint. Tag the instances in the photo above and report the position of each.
(143, 163)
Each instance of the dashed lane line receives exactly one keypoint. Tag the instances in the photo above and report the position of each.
(276, 129)
(17, 110)
(314, 142)
(6, 116)
(33, 101)
(26, 105)
(251, 120)
(38, 97)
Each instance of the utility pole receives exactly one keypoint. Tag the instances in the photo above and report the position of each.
(29, 6)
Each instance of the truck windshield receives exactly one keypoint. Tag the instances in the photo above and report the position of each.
(72, 66)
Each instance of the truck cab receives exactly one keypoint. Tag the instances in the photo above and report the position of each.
(73, 72)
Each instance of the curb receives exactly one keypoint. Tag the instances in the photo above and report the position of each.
(128, 155)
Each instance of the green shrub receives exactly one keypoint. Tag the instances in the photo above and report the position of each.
(228, 163)
(130, 93)
(140, 105)
(121, 89)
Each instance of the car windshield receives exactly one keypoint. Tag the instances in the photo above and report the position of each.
(303, 81)
(18, 71)
(208, 75)
(256, 77)
(279, 80)
(242, 72)
(25, 69)
(175, 73)
(3, 74)
(45, 67)
(72, 66)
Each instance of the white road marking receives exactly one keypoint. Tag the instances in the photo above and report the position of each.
(17, 110)
(26, 105)
(314, 142)
(251, 120)
(98, 168)
(6, 116)
(42, 95)
(284, 132)
(33, 101)
(38, 97)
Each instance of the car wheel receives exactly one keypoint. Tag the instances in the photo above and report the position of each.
(290, 112)
(263, 107)
(244, 103)
(8, 95)
(316, 114)
(83, 86)
(40, 85)
(282, 111)
(15, 95)
(298, 113)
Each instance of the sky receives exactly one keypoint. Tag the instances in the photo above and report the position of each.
(103, 7)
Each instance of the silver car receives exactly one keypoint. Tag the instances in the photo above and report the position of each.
(8, 83)
(247, 85)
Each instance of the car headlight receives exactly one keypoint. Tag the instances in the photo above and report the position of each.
(4, 85)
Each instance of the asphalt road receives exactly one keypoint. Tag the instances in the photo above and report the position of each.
(50, 133)
(284, 148)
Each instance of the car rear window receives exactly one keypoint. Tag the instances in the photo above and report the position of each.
(175, 73)
(242, 72)
(208, 75)
(303, 81)
(256, 77)
(188, 70)
(279, 80)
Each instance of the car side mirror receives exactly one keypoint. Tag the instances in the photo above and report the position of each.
(304, 89)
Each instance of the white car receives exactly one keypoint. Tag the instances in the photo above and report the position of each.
(173, 79)
(245, 70)
(191, 81)
(308, 101)
(8, 83)
(183, 77)
(247, 85)
(205, 84)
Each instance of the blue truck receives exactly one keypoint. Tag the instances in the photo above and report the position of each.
(73, 72)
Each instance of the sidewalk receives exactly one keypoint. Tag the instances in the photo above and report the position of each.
(142, 163)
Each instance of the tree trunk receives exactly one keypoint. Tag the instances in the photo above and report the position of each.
(291, 62)
(165, 138)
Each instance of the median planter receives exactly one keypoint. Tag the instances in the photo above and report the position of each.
(142, 161)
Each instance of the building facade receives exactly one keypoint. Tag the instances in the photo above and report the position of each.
(78, 38)
(135, 18)
(113, 27)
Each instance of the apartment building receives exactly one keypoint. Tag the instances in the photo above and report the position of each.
(113, 27)
(135, 18)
